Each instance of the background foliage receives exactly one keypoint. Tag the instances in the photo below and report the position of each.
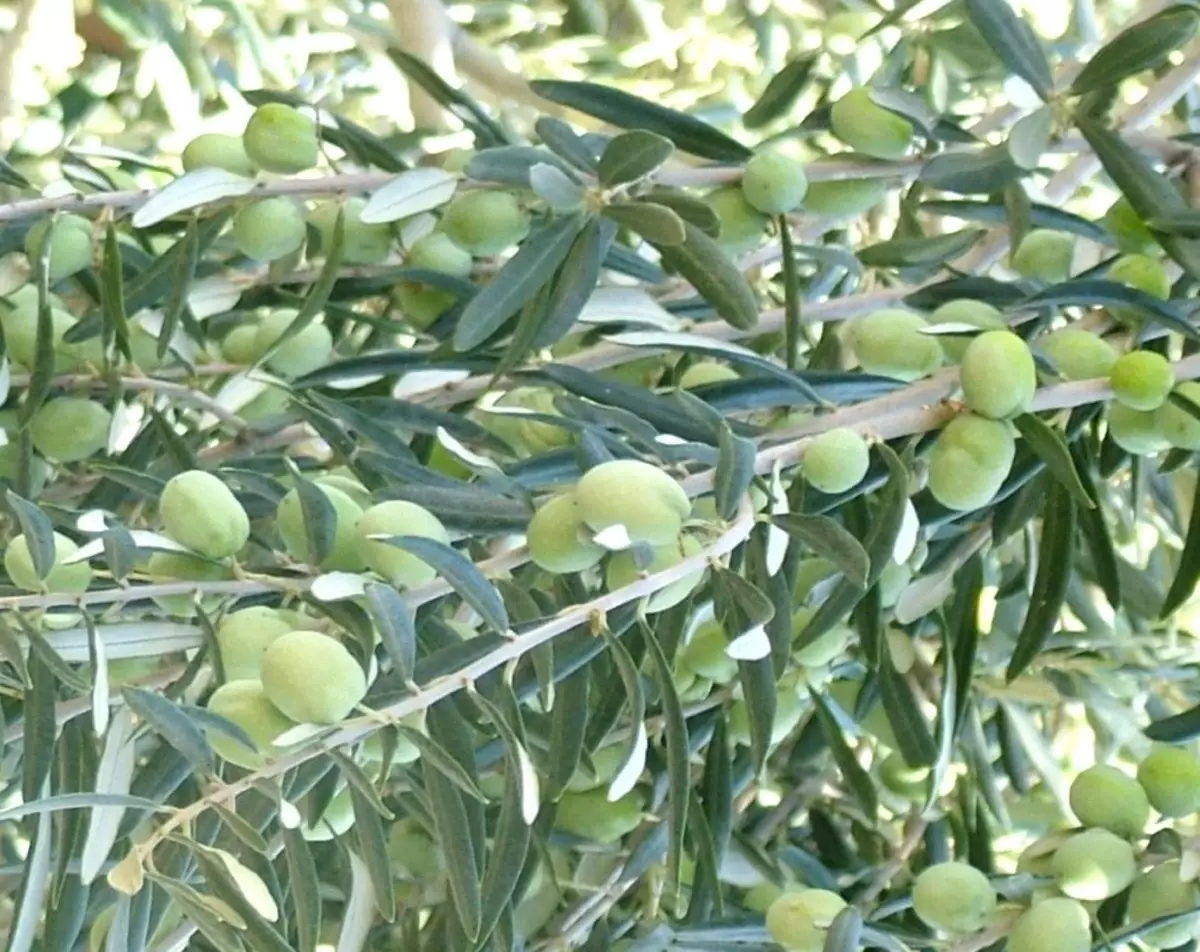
(993, 654)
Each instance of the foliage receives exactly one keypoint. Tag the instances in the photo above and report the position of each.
(280, 669)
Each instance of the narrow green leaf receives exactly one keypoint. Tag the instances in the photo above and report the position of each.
(372, 846)
(436, 757)
(396, 626)
(781, 92)
(356, 777)
(702, 262)
(793, 326)
(198, 912)
(632, 156)
(1014, 42)
(1150, 194)
(1188, 573)
(462, 575)
(735, 471)
(1094, 529)
(627, 111)
(1055, 559)
(38, 532)
(915, 742)
(112, 295)
(758, 690)
(678, 771)
(568, 728)
(43, 363)
(40, 729)
(517, 282)
(304, 889)
(455, 100)
(845, 932)
(242, 829)
(258, 933)
(320, 520)
(634, 760)
(1186, 224)
(656, 223)
(1051, 447)
(855, 775)
(174, 724)
(564, 142)
(454, 837)
(947, 721)
(1177, 729)
(1139, 47)
(904, 252)
(1019, 213)
(177, 300)
(575, 281)
(829, 539)
(988, 170)
(1093, 292)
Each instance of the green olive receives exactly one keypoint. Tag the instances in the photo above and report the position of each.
(242, 637)
(998, 375)
(559, 541)
(846, 199)
(637, 495)
(800, 921)
(774, 183)
(215, 151)
(869, 128)
(1141, 379)
(18, 562)
(312, 678)
(966, 311)
(1174, 423)
(623, 570)
(399, 518)
(969, 462)
(706, 372)
(954, 898)
(1171, 779)
(1133, 237)
(362, 242)
(344, 555)
(890, 342)
(742, 225)
(592, 816)
(1079, 354)
(269, 228)
(1161, 891)
(438, 252)
(281, 139)
(245, 703)
(485, 223)
(1093, 865)
(705, 655)
(836, 461)
(70, 244)
(1045, 256)
(69, 429)
(309, 350)
(199, 511)
(1137, 431)
(1052, 925)
(1104, 796)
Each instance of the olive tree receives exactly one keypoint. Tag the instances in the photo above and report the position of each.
(739, 496)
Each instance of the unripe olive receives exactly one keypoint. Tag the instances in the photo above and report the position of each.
(269, 228)
(889, 342)
(243, 636)
(800, 921)
(362, 242)
(1141, 379)
(438, 252)
(591, 816)
(623, 570)
(912, 783)
(1142, 272)
(70, 244)
(742, 225)
(1123, 223)
(1094, 865)
(845, 199)
(1171, 778)
(10, 460)
(836, 461)
(307, 351)
(826, 648)
(537, 437)
(69, 429)
(969, 461)
(337, 819)
(398, 518)
(1137, 431)
(62, 578)
(789, 710)
(1045, 256)
(281, 139)
(965, 311)
(345, 481)
(892, 581)
(422, 304)
(558, 540)
(485, 223)
(456, 160)
(312, 678)
(605, 762)
(954, 898)
(245, 703)
(1174, 423)
(774, 183)
(1052, 925)
(240, 345)
(20, 335)
(998, 375)
(345, 555)
(1161, 891)
(761, 895)
(199, 511)
(706, 372)
(215, 151)
(868, 128)
(634, 494)
(705, 654)
(1079, 354)
(182, 567)
(1103, 796)
(413, 852)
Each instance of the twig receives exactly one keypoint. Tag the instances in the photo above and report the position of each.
(914, 833)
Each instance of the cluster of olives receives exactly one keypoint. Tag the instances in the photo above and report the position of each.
(773, 183)
(628, 508)
(300, 354)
